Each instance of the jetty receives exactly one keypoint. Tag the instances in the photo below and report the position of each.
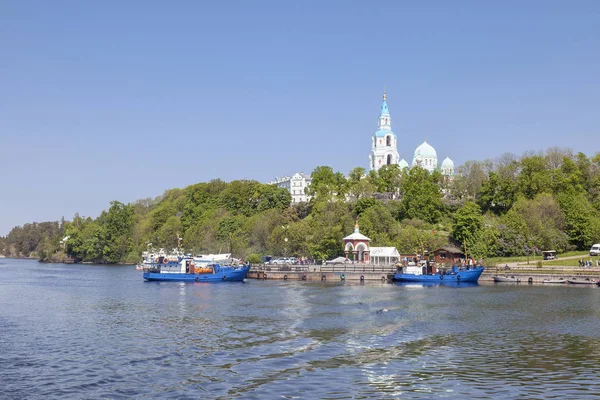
(358, 272)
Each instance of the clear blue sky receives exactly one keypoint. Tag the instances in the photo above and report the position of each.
(120, 100)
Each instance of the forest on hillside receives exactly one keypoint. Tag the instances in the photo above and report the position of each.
(503, 207)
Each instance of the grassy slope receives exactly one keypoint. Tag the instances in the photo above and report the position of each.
(500, 261)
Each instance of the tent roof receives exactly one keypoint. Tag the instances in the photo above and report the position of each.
(384, 252)
(356, 236)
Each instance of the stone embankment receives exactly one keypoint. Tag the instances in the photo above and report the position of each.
(530, 273)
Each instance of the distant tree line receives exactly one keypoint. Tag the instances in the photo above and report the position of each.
(503, 207)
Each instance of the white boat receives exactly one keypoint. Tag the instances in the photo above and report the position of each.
(554, 280)
(152, 257)
(581, 281)
(506, 279)
(223, 259)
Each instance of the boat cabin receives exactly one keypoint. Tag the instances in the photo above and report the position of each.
(420, 268)
(549, 255)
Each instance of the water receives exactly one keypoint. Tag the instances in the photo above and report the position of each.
(87, 331)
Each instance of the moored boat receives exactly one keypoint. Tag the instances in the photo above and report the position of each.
(555, 280)
(186, 271)
(585, 281)
(506, 279)
(411, 274)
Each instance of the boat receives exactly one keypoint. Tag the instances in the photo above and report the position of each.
(413, 274)
(224, 258)
(586, 281)
(559, 280)
(186, 271)
(153, 258)
(506, 279)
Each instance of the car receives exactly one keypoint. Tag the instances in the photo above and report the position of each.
(595, 250)
(279, 261)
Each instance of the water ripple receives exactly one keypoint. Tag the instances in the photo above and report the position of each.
(100, 332)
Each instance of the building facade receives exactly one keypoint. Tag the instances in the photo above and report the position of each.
(295, 184)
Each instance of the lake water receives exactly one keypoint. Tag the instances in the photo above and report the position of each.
(88, 331)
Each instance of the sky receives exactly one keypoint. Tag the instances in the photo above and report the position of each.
(121, 100)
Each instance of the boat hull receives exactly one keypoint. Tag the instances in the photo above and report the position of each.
(581, 282)
(470, 275)
(506, 279)
(225, 274)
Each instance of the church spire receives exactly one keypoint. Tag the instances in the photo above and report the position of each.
(384, 106)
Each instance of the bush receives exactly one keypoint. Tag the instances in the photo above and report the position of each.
(254, 258)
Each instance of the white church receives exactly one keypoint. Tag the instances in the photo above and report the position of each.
(384, 149)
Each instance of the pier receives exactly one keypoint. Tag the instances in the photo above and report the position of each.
(358, 272)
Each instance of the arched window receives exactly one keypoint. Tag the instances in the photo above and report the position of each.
(388, 141)
(389, 159)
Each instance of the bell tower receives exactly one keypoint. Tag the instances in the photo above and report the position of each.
(383, 143)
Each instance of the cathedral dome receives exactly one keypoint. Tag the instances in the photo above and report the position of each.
(425, 150)
(403, 164)
(447, 163)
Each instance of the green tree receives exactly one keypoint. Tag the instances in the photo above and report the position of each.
(534, 177)
(421, 197)
(326, 184)
(467, 223)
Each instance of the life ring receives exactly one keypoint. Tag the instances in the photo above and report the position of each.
(197, 279)
(224, 277)
(530, 280)
(343, 277)
(165, 261)
(323, 277)
(362, 278)
(382, 279)
(303, 277)
(285, 277)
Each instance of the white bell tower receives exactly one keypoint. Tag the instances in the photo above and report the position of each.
(383, 144)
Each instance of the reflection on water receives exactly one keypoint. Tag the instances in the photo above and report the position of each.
(449, 284)
(95, 331)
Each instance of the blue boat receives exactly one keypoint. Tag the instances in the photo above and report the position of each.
(455, 275)
(186, 271)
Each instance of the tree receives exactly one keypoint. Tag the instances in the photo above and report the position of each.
(497, 194)
(326, 184)
(534, 177)
(581, 223)
(467, 223)
(390, 177)
(421, 197)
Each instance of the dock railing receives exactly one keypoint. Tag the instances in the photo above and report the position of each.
(349, 267)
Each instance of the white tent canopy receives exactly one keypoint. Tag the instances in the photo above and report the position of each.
(384, 255)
